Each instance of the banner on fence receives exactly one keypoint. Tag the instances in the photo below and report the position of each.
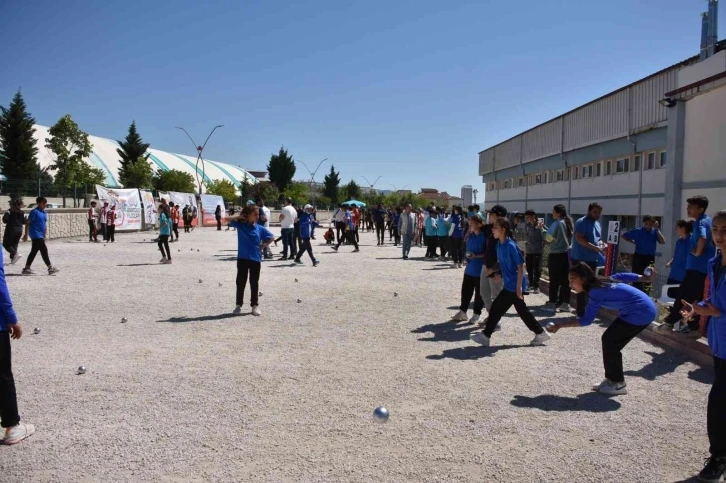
(209, 206)
(182, 200)
(147, 199)
(128, 206)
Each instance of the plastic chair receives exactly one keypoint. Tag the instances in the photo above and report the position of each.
(664, 299)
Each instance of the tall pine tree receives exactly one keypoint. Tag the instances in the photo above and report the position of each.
(332, 185)
(18, 152)
(281, 169)
(132, 151)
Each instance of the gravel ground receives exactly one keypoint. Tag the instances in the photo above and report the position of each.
(185, 392)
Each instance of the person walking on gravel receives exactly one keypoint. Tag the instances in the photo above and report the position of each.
(471, 285)
(349, 234)
(37, 228)
(14, 220)
(307, 222)
(164, 232)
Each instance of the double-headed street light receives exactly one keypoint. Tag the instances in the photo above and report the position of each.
(312, 176)
(200, 149)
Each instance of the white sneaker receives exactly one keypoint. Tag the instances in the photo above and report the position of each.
(540, 339)
(18, 433)
(613, 389)
(256, 311)
(536, 291)
(15, 259)
(163, 260)
(237, 310)
(564, 308)
(483, 322)
(480, 339)
(596, 387)
(460, 316)
(474, 319)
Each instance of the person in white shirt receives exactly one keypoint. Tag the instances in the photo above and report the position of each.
(264, 220)
(104, 214)
(339, 219)
(92, 220)
(287, 221)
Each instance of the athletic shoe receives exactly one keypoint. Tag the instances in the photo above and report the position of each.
(540, 339)
(52, 270)
(474, 318)
(316, 263)
(596, 387)
(15, 259)
(714, 471)
(335, 248)
(405, 257)
(256, 311)
(483, 322)
(18, 433)
(163, 260)
(299, 262)
(564, 308)
(550, 306)
(168, 262)
(27, 271)
(536, 291)
(460, 316)
(356, 250)
(613, 389)
(282, 259)
(480, 339)
(237, 310)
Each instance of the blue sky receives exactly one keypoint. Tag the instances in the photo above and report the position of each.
(410, 90)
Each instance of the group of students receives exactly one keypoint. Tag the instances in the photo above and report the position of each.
(494, 275)
(103, 220)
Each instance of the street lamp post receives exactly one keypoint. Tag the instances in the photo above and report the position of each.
(312, 176)
(200, 150)
(474, 193)
(372, 185)
(395, 189)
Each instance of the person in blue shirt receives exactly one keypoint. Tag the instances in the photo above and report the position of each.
(251, 238)
(635, 312)
(471, 285)
(677, 265)
(645, 239)
(164, 233)
(714, 306)
(442, 233)
(456, 235)
(396, 221)
(307, 223)
(511, 264)
(700, 250)
(587, 246)
(349, 233)
(36, 228)
(430, 232)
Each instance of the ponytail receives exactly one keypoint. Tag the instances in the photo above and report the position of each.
(569, 225)
(588, 277)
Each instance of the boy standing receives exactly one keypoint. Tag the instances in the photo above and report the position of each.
(92, 217)
(111, 224)
(37, 228)
(645, 239)
(103, 214)
(534, 243)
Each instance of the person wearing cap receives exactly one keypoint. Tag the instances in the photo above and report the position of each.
(491, 277)
(307, 222)
(534, 243)
(103, 214)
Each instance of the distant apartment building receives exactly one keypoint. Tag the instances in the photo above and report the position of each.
(467, 195)
(440, 199)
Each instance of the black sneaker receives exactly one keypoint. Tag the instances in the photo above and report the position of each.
(714, 470)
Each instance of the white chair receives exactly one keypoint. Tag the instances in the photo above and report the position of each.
(667, 301)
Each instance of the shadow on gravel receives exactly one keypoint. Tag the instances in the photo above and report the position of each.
(591, 402)
(138, 265)
(446, 331)
(704, 375)
(280, 266)
(692, 479)
(202, 318)
(666, 363)
(472, 353)
(447, 267)
(222, 258)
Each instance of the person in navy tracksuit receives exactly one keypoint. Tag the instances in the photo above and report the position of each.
(307, 224)
(715, 307)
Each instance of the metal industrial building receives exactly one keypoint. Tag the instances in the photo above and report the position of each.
(634, 151)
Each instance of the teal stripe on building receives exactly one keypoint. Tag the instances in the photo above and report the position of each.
(110, 178)
(229, 175)
(191, 165)
(158, 162)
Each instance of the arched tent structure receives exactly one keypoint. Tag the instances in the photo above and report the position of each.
(105, 157)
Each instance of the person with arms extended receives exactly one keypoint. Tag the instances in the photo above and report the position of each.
(37, 228)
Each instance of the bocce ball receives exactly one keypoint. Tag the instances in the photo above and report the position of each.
(36, 330)
(81, 370)
(380, 414)
(124, 320)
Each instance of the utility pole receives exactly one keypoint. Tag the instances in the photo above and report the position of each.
(312, 177)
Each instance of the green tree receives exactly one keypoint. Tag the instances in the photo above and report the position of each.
(267, 191)
(174, 180)
(139, 174)
(298, 191)
(131, 150)
(70, 146)
(353, 190)
(332, 185)
(281, 169)
(18, 151)
(223, 188)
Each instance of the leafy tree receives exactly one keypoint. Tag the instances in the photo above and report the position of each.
(297, 191)
(18, 151)
(138, 174)
(281, 169)
(353, 190)
(223, 188)
(174, 180)
(267, 191)
(131, 151)
(70, 146)
(323, 202)
(331, 185)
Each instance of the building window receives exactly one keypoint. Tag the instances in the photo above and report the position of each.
(622, 165)
(650, 163)
(575, 172)
(598, 169)
(544, 177)
(628, 223)
(507, 183)
(586, 171)
(538, 178)
(636, 163)
(662, 159)
(607, 168)
(560, 175)
(520, 181)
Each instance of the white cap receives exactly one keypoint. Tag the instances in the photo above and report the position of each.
(307, 207)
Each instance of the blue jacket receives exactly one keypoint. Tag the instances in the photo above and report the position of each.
(7, 313)
(430, 226)
(717, 297)
(632, 304)
(307, 222)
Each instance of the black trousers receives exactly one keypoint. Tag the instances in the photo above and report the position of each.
(640, 263)
(396, 236)
(357, 237)
(110, 231)
(443, 245)
(219, 224)
(717, 410)
(92, 232)
(455, 248)
(471, 286)
(691, 289)
(348, 236)
(614, 339)
(501, 304)
(380, 232)
(559, 268)
(582, 297)
(9, 416)
(305, 246)
(38, 245)
(534, 269)
(339, 230)
(431, 243)
(248, 269)
(103, 231)
(11, 239)
(175, 230)
(164, 245)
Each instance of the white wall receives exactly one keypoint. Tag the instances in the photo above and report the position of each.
(704, 156)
